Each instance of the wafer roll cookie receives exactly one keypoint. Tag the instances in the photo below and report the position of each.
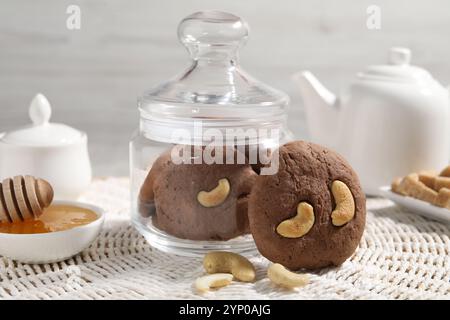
(441, 182)
(443, 198)
(445, 172)
(416, 189)
(395, 186)
(427, 179)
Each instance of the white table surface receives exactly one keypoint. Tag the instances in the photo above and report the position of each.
(401, 256)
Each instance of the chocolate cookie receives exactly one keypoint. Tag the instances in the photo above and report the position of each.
(311, 214)
(146, 198)
(198, 201)
(258, 156)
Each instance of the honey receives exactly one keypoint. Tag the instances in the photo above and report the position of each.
(57, 217)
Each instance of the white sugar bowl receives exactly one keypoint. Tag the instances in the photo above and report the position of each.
(52, 151)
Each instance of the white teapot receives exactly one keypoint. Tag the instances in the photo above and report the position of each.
(394, 119)
(52, 151)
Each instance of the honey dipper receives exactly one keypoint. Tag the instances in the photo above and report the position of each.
(23, 198)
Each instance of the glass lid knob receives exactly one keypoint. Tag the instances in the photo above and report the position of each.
(212, 34)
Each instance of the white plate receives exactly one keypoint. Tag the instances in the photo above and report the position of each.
(417, 206)
(52, 246)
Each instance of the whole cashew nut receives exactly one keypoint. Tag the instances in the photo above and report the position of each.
(281, 276)
(216, 280)
(345, 204)
(216, 196)
(299, 225)
(228, 262)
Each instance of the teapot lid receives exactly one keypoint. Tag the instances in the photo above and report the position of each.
(42, 132)
(214, 87)
(398, 69)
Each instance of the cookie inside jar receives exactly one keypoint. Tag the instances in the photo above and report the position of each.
(191, 197)
(203, 138)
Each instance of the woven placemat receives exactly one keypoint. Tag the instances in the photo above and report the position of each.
(401, 256)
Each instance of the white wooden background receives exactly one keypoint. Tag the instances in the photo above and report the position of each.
(93, 76)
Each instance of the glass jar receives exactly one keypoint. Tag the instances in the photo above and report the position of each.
(203, 138)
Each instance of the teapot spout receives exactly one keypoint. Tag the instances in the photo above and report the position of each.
(320, 108)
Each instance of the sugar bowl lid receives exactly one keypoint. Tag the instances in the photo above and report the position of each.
(214, 86)
(42, 132)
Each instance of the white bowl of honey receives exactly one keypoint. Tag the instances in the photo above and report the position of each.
(64, 229)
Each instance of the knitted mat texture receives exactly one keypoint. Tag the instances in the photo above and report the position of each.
(401, 256)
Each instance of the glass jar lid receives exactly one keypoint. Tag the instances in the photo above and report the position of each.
(214, 87)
